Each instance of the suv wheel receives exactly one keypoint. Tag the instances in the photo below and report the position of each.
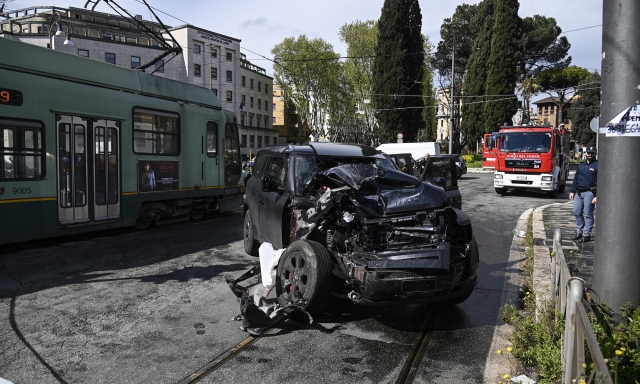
(251, 245)
(305, 267)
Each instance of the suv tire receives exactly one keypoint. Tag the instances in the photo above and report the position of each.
(306, 265)
(251, 245)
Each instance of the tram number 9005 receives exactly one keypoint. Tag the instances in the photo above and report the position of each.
(21, 191)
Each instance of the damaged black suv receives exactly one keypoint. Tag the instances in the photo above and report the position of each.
(355, 226)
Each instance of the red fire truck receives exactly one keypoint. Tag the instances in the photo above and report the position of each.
(530, 157)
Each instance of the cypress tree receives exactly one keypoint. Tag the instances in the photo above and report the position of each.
(397, 71)
(502, 66)
(472, 124)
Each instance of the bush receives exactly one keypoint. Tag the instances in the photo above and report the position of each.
(472, 157)
(618, 340)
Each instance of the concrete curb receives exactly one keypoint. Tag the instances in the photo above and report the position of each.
(542, 257)
(480, 170)
(497, 365)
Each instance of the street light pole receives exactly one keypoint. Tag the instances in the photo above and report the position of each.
(451, 103)
(616, 264)
(57, 22)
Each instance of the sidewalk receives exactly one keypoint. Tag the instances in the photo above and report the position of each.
(579, 256)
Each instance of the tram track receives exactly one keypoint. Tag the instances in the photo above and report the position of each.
(227, 355)
(406, 375)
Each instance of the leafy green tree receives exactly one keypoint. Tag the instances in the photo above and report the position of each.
(543, 46)
(306, 70)
(561, 84)
(502, 66)
(361, 38)
(457, 36)
(397, 69)
(472, 124)
(585, 107)
(527, 88)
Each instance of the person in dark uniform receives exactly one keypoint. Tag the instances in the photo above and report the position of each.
(583, 195)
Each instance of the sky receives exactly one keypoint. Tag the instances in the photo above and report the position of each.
(263, 24)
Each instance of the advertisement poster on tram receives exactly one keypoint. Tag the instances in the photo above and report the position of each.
(157, 175)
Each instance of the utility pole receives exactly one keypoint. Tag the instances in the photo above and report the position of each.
(451, 104)
(616, 262)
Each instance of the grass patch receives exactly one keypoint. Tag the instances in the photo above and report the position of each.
(536, 340)
(538, 330)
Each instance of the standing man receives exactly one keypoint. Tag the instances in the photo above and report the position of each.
(583, 195)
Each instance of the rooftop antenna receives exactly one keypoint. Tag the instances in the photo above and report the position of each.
(176, 49)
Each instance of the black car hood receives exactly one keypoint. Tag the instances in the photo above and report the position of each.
(381, 191)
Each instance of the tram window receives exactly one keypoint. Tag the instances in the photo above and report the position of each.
(212, 139)
(156, 132)
(21, 152)
(160, 66)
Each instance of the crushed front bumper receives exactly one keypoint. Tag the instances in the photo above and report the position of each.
(407, 278)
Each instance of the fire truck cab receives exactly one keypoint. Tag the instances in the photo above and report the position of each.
(530, 157)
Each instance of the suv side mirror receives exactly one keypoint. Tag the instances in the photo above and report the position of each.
(267, 184)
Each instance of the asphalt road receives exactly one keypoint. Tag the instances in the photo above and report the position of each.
(153, 306)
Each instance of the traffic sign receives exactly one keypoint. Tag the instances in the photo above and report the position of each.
(400, 136)
(595, 124)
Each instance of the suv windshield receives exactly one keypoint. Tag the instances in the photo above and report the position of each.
(307, 165)
(525, 142)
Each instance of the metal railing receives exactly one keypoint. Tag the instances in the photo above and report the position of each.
(577, 325)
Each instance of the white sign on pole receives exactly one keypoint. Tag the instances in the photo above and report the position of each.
(626, 124)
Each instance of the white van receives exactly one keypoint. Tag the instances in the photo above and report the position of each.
(417, 150)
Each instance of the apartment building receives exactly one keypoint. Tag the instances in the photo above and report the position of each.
(209, 59)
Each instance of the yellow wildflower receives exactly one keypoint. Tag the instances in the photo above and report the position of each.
(584, 365)
(623, 349)
(618, 352)
(499, 351)
(509, 349)
(506, 376)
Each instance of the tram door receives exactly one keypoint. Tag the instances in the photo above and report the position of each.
(212, 166)
(106, 175)
(88, 169)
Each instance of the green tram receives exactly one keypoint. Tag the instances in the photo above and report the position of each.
(88, 146)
